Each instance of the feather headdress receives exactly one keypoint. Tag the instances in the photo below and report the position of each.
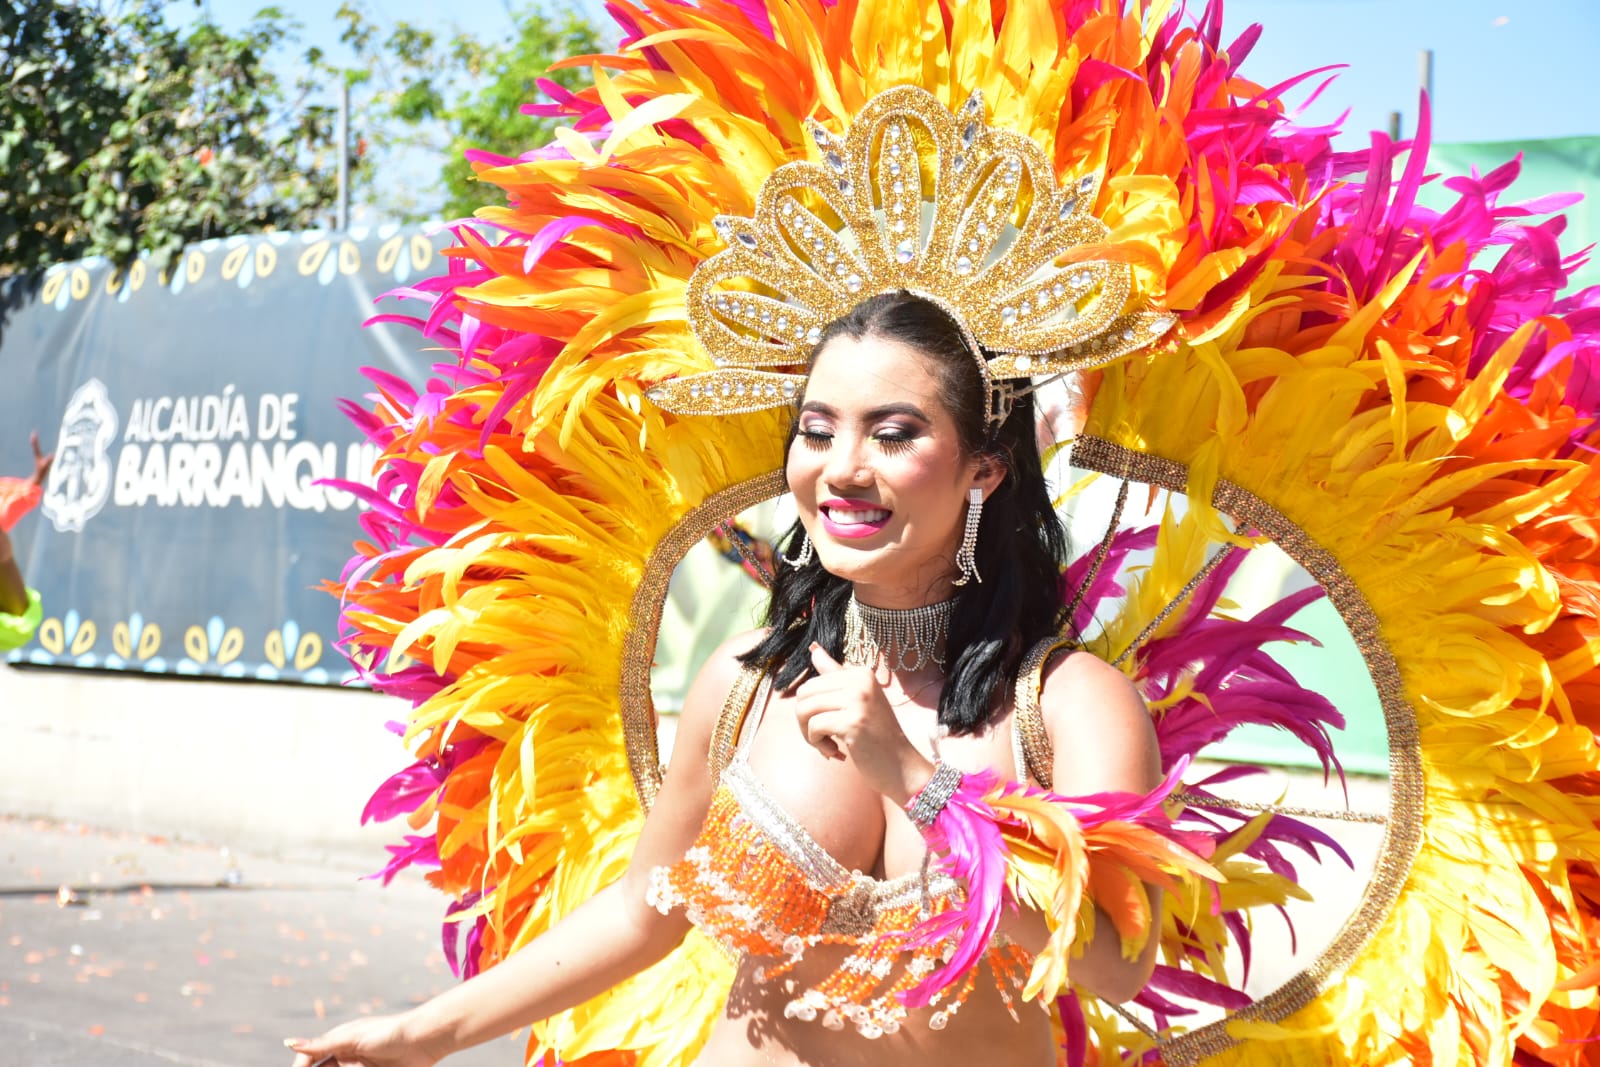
(1354, 380)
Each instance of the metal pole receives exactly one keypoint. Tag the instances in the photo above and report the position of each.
(1425, 72)
(342, 218)
(1394, 125)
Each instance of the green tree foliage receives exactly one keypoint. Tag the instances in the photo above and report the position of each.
(447, 93)
(121, 134)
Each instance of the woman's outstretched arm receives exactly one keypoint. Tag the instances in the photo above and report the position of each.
(609, 938)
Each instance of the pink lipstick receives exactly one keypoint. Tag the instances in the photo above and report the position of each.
(852, 518)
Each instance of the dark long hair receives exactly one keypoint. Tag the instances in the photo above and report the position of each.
(1021, 545)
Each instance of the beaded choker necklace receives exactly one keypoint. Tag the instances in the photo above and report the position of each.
(902, 639)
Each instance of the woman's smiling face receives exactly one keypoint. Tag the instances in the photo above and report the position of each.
(878, 473)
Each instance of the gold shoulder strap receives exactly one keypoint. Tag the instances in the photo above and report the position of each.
(1029, 737)
(725, 738)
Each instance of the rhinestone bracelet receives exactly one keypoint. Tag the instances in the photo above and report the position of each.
(933, 796)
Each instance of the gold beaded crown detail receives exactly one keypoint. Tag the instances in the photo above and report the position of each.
(913, 198)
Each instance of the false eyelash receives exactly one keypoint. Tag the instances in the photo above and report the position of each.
(890, 445)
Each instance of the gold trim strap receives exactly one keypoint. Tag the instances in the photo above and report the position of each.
(1101, 552)
(735, 709)
(1172, 605)
(1037, 751)
(1198, 800)
(731, 531)
(1138, 1024)
(1407, 796)
(644, 620)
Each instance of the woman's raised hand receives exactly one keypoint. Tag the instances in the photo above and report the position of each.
(844, 714)
(381, 1041)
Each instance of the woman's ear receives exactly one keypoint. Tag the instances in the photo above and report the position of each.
(990, 472)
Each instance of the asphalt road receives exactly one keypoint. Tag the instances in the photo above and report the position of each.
(180, 953)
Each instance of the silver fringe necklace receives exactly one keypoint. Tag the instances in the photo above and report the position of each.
(902, 639)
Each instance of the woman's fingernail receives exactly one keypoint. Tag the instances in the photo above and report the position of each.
(291, 1042)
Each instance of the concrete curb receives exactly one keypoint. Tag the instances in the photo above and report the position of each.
(277, 769)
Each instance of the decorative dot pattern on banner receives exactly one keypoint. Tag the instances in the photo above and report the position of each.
(135, 643)
(288, 646)
(241, 260)
(215, 649)
(67, 637)
(214, 645)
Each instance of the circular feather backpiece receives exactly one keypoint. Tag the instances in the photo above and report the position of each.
(1352, 377)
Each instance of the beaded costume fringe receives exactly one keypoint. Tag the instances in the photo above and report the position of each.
(760, 898)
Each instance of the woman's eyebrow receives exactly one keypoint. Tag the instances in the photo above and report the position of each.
(882, 411)
(885, 410)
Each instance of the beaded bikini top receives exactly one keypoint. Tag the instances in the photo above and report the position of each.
(760, 885)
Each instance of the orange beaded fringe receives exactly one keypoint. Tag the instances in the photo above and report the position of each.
(741, 885)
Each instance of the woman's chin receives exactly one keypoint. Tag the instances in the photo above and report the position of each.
(880, 566)
(843, 566)
(854, 563)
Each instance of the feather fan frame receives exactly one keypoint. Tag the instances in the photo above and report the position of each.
(1420, 419)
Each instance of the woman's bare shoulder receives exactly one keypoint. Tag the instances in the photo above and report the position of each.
(1099, 727)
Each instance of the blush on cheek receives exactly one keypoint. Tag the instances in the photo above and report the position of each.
(800, 482)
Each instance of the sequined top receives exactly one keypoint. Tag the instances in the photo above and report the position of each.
(759, 884)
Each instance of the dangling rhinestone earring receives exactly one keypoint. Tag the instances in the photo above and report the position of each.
(966, 555)
(805, 553)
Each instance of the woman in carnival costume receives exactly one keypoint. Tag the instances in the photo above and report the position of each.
(903, 218)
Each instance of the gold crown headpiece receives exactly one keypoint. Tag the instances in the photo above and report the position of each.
(914, 198)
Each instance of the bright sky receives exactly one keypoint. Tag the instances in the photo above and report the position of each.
(1503, 69)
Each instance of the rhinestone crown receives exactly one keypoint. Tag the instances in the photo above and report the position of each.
(942, 205)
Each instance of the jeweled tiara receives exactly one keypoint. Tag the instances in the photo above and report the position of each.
(913, 198)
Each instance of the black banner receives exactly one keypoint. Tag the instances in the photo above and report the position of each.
(183, 529)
